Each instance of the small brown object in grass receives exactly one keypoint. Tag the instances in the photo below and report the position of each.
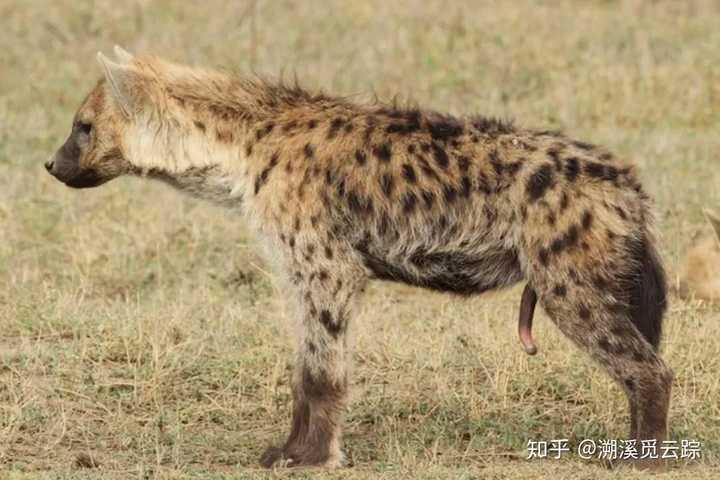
(700, 277)
(85, 460)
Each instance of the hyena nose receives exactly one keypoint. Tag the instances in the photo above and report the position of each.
(49, 165)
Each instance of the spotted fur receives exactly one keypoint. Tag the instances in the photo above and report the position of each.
(342, 193)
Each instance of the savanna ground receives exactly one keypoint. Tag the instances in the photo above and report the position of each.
(141, 335)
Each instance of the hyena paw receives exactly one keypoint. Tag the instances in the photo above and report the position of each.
(276, 457)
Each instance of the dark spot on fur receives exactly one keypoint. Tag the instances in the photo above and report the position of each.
(199, 125)
(335, 125)
(411, 149)
(290, 126)
(495, 162)
(554, 155)
(409, 201)
(360, 157)
(408, 173)
(466, 186)
(595, 170)
(544, 256)
(604, 344)
(539, 182)
(412, 124)
(560, 290)
(428, 170)
(265, 130)
(621, 212)
(312, 124)
(572, 168)
(383, 152)
(332, 328)
(445, 128)
(514, 167)
(587, 220)
(386, 183)
(428, 198)
(484, 185)
(440, 156)
(328, 253)
(308, 150)
(450, 194)
(584, 313)
(323, 275)
(463, 163)
(262, 178)
(564, 201)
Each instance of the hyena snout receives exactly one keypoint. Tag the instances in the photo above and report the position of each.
(69, 172)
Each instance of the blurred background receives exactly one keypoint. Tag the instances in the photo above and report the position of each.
(141, 336)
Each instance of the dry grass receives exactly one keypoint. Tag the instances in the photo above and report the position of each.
(140, 335)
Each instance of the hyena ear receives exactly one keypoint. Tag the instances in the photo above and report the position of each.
(714, 222)
(122, 55)
(121, 79)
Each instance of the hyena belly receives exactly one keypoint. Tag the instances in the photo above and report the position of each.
(448, 271)
(458, 270)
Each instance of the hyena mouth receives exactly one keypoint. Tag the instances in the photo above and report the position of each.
(74, 177)
(85, 179)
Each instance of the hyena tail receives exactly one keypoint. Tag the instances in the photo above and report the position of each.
(648, 290)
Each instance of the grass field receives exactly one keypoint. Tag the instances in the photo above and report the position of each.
(142, 337)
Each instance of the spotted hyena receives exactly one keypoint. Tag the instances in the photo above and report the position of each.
(343, 193)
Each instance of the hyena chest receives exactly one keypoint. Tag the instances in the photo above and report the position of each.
(458, 270)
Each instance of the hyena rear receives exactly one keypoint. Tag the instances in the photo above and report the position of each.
(341, 193)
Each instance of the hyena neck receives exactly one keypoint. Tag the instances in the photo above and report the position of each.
(200, 142)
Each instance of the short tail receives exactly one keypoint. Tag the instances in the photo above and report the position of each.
(648, 290)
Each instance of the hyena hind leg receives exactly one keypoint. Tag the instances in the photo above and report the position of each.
(612, 340)
(323, 294)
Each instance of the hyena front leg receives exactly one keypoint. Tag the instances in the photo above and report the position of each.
(324, 298)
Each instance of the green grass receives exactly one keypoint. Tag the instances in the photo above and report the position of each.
(140, 328)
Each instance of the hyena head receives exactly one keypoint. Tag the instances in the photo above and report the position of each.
(112, 121)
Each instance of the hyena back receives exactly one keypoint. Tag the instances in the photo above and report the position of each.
(341, 193)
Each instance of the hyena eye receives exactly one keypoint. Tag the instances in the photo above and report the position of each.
(84, 127)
